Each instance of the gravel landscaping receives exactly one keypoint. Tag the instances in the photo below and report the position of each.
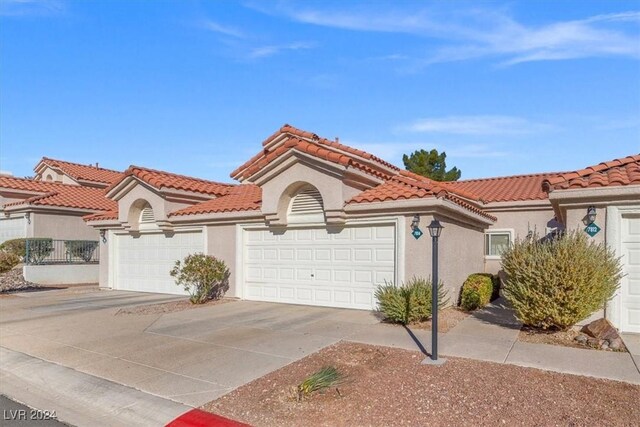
(568, 338)
(169, 307)
(448, 318)
(387, 386)
(13, 281)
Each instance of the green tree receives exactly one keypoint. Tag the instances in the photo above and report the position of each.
(431, 164)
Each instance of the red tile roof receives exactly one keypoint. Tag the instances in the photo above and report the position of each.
(506, 188)
(101, 216)
(310, 143)
(161, 179)
(60, 195)
(407, 185)
(618, 172)
(247, 197)
(83, 172)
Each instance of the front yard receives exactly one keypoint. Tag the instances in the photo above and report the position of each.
(386, 386)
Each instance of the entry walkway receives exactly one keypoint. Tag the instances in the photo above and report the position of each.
(491, 334)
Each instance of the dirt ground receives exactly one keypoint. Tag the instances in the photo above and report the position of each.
(389, 387)
(563, 338)
(448, 318)
(169, 307)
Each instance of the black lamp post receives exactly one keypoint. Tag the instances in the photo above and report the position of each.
(435, 229)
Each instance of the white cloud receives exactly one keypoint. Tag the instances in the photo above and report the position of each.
(223, 29)
(476, 125)
(470, 34)
(31, 7)
(270, 50)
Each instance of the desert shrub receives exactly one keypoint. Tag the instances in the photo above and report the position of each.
(17, 247)
(476, 291)
(8, 260)
(326, 377)
(82, 249)
(554, 284)
(205, 277)
(38, 250)
(409, 302)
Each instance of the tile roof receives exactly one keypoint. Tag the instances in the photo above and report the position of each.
(23, 184)
(617, 172)
(83, 172)
(506, 188)
(246, 197)
(407, 185)
(161, 179)
(101, 216)
(322, 148)
(69, 196)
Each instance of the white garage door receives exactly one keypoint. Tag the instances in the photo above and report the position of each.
(143, 263)
(12, 228)
(630, 286)
(315, 267)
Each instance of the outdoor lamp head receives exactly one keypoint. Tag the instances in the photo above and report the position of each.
(591, 214)
(435, 228)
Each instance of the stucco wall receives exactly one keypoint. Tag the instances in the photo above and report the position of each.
(65, 227)
(520, 222)
(129, 206)
(460, 253)
(221, 243)
(575, 215)
(103, 271)
(61, 274)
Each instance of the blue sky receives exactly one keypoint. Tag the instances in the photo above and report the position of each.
(195, 86)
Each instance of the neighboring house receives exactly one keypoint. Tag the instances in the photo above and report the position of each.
(51, 170)
(316, 222)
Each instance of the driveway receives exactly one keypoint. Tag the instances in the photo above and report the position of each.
(190, 357)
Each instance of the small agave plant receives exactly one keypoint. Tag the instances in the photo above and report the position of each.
(326, 377)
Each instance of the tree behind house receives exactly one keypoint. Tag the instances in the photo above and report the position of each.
(431, 164)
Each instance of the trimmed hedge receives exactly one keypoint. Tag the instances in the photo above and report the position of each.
(556, 283)
(477, 291)
(17, 247)
(409, 302)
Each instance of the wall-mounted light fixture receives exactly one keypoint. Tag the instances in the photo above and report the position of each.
(27, 216)
(591, 215)
(103, 235)
(415, 222)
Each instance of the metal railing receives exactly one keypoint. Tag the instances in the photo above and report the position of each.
(50, 251)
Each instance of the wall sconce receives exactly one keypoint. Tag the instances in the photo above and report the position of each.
(415, 222)
(591, 215)
(27, 216)
(103, 235)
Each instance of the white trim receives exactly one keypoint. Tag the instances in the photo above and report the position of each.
(489, 231)
(613, 236)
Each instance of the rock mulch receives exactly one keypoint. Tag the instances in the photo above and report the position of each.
(448, 318)
(13, 281)
(598, 335)
(168, 307)
(388, 387)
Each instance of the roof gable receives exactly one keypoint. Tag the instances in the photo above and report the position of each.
(80, 172)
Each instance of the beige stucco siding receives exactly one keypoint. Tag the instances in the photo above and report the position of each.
(103, 275)
(519, 222)
(460, 253)
(58, 226)
(221, 243)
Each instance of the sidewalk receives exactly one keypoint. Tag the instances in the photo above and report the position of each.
(491, 335)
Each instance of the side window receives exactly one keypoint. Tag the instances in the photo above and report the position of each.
(496, 242)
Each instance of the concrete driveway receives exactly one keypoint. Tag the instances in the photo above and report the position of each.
(189, 357)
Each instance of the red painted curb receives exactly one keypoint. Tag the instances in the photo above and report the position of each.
(198, 418)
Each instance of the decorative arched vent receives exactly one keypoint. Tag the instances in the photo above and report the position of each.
(147, 219)
(306, 206)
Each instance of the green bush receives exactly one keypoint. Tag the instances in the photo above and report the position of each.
(554, 284)
(82, 249)
(410, 302)
(476, 291)
(205, 277)
(8, 260)
(326, 377)
(17, 247)
(39, 249)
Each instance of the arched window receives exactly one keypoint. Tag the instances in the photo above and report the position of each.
(306, 206)
(147, 219)
(49, 178)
